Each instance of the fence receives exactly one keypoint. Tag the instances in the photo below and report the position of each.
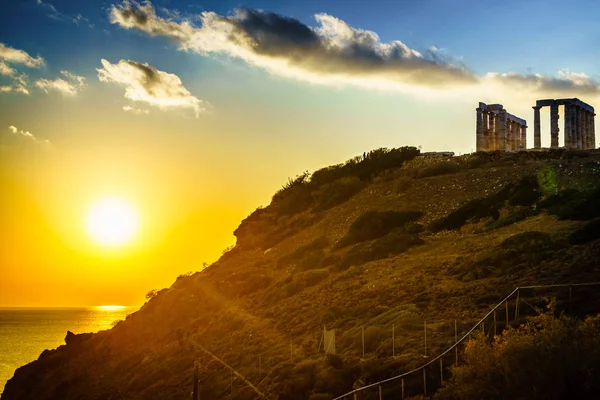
(402, 383)
(428, 377)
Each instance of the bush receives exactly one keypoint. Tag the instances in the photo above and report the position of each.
(523, 193)
(439, 168)
(151, 293)
(394, 243)
(337, 192)
(305, 251)
(547, 358)
(573, 204)
(375, 224)
(587, 233)
(527, 242)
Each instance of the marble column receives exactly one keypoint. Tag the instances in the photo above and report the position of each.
(537, 130)
(493, 131)
(585, 137)
(486, 131)
(479, 130)
(593, 130)
(501, 130)
(524, 137)
(579, 127)
(568, 127)
(554, 130)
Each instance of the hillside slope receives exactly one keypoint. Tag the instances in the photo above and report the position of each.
(387, 239)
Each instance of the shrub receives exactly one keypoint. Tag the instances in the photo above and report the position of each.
(547, 358)
(574, 205)
(375, 224)
(337, 192)
(439, 168)
(305, 251)
(523, 193)
(151, 293)
(394, 243)
(587, 233)
(527, 242)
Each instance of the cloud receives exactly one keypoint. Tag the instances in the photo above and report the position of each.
(61, 85)
(565, 81)
(335, 53)
(136, 111)
(14, 137)
(16, 56)
(60, 16)
(144, 83)
(16, 131)
(6, 70)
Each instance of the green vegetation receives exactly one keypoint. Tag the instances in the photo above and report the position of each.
(375, 224)
(546, 358)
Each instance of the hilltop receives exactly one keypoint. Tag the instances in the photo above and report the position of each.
(390, 238)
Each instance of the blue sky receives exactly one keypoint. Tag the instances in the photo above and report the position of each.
(198, 119)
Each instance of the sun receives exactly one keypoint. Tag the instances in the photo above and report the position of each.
(112, 222)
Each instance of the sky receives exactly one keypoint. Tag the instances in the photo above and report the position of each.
(195, 113)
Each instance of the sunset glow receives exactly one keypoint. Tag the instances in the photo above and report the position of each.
(112, 222)
(110, 307)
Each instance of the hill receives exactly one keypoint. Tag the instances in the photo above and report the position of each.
(389, 240)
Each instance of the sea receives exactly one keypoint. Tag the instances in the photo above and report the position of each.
(26, 332)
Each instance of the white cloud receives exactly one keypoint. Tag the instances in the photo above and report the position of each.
(54, 13)
(144, 83)
(16, 56)
(61, 85)
(136, 111)
(6, 70)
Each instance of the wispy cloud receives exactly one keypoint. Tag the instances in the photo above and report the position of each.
(61, 85)
(55, 14)
(137, 111)
(332, 52)
(6, 69)
(15, 56)
(16, 135)
(144, 83)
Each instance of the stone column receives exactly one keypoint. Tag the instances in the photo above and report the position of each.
(579, 128)
(586, 130)
(493, 131)
(554, 125)
(479, 130)
(537, 129)
(593, 130)
(501, 130)
(524, 137)
(568, 127)
(486, 131)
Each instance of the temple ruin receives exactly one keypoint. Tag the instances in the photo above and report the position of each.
(580, 131)
(499, 130)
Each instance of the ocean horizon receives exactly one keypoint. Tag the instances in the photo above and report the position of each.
(25, 332)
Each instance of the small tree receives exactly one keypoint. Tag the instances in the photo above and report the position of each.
(151, 294)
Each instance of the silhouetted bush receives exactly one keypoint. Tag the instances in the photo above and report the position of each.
(547, 358)
(374, 224)
(523, 193)
(394, 243)
(304, 251)
(511, 218)
(337, 192)
(527, 242)
(438, 168)
(587, 233)
(573, 204)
